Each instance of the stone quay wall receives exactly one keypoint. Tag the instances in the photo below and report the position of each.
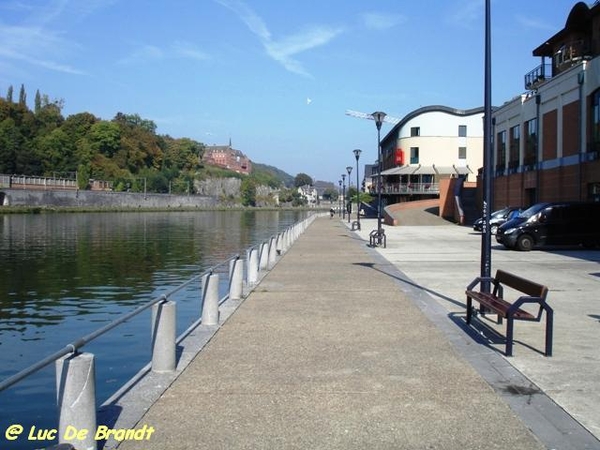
(102, 199)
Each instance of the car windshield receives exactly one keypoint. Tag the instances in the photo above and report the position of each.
(533, 210)
(500, 212)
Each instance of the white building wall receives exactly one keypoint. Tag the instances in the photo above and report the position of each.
(439, 141)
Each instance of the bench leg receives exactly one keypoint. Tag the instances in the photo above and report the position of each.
(469, 309)
(509, 334)
(549, 328)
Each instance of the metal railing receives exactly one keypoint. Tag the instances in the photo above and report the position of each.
(411, 188)
(259, 258)
(35, 182)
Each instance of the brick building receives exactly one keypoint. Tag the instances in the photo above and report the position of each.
(227, 157)
(547, 141)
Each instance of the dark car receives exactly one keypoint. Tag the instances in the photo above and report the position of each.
(497, 218)
(558, 223)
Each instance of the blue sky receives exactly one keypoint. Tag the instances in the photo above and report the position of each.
(275, 77)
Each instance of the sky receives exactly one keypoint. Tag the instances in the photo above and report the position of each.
(274, 77)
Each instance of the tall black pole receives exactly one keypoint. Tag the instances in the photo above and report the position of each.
(379, 180)
(486, 236)
(349, 170)
(357, 153)
(343, 196)
(378, 117)
(340, 198)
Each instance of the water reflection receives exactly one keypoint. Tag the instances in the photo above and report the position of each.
(65, 275)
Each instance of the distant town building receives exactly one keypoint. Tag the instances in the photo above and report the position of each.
(227, 157)
(310, 194)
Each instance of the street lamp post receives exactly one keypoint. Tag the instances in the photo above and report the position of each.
(378, 116)
(349, 170)
(339, 198)
(486, 237)
(343, 196)
(357, 153)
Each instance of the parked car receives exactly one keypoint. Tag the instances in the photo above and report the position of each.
(497, 218)
(558, 223)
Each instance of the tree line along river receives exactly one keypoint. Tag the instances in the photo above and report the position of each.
(66, 275)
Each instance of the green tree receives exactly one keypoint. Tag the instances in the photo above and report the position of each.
(330, 194)
(182, 154)
(22, 97)
(55, 152)
(248, 191)
(10, 139)
(302, 179)
(9, 94)
(38, 102)
(105, 138)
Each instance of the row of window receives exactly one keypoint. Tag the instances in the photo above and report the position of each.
(416, 131)
(514, 144)
(414, 154)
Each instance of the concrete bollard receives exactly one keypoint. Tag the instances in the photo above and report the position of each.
(272, 253)
(236, 279)
(252, 269)
(279, 244)
(210, 301)
(76, 399)
(264, 256)
(164, 336)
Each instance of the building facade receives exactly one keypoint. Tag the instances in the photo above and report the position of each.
(430, 144)
(227, 157)
(546, 142)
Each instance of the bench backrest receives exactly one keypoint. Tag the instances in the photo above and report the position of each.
(521, 284)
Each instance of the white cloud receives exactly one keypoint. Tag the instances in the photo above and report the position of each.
(529, 22)
(467, 12)
(149, 53)
(381, 21)
(37, 46)
(188, 50)
(285, 49)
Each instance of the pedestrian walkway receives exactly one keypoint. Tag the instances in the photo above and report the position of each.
(330, 352)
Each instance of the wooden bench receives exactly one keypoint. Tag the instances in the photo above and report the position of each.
(495, 302)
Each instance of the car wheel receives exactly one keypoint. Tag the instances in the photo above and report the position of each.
(525, 243)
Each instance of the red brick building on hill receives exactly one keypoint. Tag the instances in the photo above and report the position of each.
(227, 157)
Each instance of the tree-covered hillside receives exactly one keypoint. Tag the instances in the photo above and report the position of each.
(40, 141)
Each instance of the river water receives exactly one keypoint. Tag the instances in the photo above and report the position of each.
(63, 276)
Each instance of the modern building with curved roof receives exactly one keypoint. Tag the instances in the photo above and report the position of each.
(427, 145)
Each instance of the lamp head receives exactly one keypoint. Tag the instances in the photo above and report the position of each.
(349, 170)
(357, 153)
(378, 116)
(344, 177)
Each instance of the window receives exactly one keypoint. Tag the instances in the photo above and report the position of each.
(500, 152)
(514, 144)
(414, 155)
(462, 152)
(415, 131)
(462, 131)
(595, 118)
(531, 144)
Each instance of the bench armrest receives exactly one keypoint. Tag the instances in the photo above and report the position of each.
(479, 280)
(528, 299)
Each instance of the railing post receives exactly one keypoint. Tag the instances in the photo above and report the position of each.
(252, 262)
(236, 279)
(76, 399)
(164, 336)
(210, 299)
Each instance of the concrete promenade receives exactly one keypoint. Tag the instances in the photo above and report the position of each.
(346, 347)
